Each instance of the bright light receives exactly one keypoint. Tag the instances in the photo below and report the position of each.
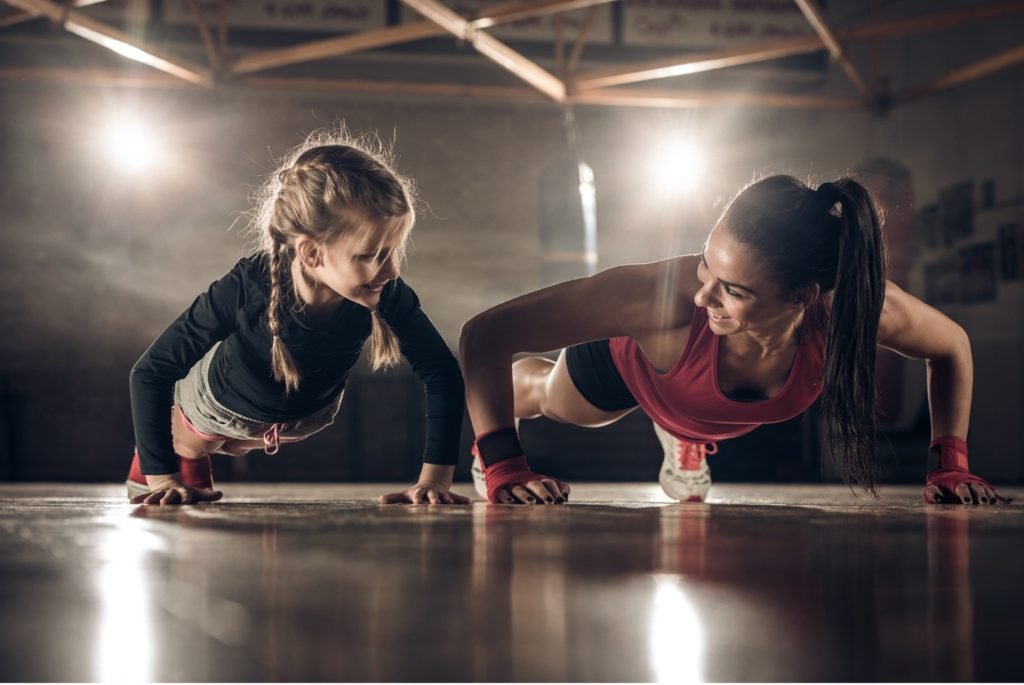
(124, 648)
(130, 145)
(678, 167)
(676, 635)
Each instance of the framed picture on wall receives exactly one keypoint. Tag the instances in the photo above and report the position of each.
(929, 226)
(1010, 253)
(940, 281)
(957, 204)
(977, 272)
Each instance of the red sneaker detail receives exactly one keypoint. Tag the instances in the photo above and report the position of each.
(135, 472)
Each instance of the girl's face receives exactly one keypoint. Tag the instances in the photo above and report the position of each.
(358, 264)
(738, 292)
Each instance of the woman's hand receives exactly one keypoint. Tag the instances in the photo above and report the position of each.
(170, 490)
(953, 486)
(424, 492)
(541, 491)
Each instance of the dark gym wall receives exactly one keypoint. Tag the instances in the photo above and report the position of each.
(95, 262)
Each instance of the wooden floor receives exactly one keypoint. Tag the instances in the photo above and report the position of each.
(316, 582)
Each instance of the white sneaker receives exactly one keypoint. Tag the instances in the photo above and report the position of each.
(479, 483)
(684, 474)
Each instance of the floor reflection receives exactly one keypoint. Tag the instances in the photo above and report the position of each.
(124, 637)
(317, 583)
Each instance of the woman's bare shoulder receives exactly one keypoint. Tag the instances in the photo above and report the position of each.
(661, 292)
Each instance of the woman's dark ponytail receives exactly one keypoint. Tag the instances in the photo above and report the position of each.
(848, 397)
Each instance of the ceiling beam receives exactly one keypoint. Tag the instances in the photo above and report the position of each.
(21, 17)
(610, 98)
(212, 52)
(693, 63)
(402, 33)
(491, 48)
(957, 77)
(115, 40)
(812, 12)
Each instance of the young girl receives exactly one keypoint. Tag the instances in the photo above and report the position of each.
(787, 302)
(261, 358)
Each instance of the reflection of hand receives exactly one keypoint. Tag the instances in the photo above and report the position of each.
(511, 481)
(954, 486)
(173, 491)
(424, 492)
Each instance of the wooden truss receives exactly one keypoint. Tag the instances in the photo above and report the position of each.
(566, 87)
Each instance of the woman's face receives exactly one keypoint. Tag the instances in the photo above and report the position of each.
(359, 263)
(737, 291)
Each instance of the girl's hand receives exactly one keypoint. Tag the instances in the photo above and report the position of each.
(424, 492)
(175, 492)
(954, 486)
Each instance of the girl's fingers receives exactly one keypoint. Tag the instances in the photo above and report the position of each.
(446, 498)
(432, 497)
(416, 496)
(459, 499)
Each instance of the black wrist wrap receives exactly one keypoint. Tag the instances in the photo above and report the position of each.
(498, 446)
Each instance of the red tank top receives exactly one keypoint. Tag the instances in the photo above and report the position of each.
(687, 402)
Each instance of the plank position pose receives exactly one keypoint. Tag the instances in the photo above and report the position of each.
(787, 302)
(261, 358)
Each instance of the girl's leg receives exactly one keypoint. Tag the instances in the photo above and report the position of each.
(189, 444)
(544, 388)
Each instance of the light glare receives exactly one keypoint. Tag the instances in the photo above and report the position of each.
(678, 167)
(130, 145)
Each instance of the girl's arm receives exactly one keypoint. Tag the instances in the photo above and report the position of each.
(914, 329)
(427, 352)
(209, 319)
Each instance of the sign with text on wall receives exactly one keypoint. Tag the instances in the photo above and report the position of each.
(710, 24)
(540, 29)
(340, 16)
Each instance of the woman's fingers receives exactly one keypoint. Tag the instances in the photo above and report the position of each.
(540, 491)
(964, 493)
(523, 495)
(505, 497)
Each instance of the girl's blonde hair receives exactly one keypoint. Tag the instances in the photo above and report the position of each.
(330, 172)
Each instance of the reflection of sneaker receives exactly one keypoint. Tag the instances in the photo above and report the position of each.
(684, 474)
(479, 482)
(195, 473)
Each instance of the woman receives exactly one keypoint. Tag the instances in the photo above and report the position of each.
(787, 302)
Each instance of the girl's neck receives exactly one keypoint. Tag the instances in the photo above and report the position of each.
(313, 296)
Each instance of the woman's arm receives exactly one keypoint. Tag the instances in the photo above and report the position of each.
(632, 300)
(914, 329)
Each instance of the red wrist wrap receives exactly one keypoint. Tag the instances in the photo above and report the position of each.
(952, 453)
(196, 473)
(506, 473)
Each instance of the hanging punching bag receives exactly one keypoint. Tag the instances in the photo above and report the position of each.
(568, 215)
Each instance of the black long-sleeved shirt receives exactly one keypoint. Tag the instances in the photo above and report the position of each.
(234, 310)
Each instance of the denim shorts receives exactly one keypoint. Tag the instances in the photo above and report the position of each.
(210, 420)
